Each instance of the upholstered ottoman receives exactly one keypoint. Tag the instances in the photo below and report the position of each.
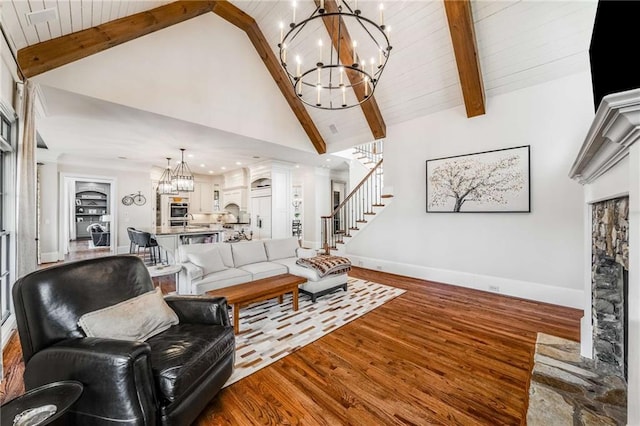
(318, 284)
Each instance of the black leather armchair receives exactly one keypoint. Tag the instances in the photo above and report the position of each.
(166, 380)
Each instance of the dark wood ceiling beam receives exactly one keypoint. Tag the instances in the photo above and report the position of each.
(50, 54)
(466, 52)
(237, 17)
(370, 108)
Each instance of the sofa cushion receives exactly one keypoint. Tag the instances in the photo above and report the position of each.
(281, 248)
(182, 356)
(138, 318)
(224, 248)
(248, 252)
(209, 260)
(226, 278)
(264, 269)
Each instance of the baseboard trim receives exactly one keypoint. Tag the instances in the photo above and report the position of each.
(509, 287)
(50, 257)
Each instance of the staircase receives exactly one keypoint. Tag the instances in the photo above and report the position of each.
(360, 207)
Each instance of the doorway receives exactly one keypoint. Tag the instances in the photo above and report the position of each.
(338, 189)
(88, 222)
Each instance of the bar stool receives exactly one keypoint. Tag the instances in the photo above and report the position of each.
(132, 242)
(145, 241)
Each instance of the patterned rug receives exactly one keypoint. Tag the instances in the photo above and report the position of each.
(269, 331)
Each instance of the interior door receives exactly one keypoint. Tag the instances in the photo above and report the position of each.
(261, 217)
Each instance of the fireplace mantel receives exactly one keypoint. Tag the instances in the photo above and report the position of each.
(615, 128)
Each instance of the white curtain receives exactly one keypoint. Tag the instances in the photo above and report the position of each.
(26, 217)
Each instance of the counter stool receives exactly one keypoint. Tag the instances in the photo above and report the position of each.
(148, 244)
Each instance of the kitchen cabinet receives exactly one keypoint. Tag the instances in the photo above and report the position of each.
(261, 217)
(201, 199)
(235, 196)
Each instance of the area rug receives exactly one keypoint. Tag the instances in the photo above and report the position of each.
(270, 331)
(567, 389)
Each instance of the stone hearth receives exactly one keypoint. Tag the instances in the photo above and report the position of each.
(567, 389)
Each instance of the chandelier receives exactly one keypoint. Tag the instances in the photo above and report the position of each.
(165, 186)
(182, 179)
(338, 54)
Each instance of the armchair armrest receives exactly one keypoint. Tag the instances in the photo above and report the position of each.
(200, 309)
(116, 374)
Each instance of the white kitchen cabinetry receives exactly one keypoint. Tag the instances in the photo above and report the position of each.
(235, 196)
(261, 217)
(201, 199)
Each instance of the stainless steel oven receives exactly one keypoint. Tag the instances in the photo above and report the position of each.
(178, 211)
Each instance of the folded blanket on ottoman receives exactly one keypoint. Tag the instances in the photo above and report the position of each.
(326, 265)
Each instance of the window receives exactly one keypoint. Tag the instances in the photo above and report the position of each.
(7, 187)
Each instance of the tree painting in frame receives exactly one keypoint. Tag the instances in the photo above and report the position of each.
(492, 181)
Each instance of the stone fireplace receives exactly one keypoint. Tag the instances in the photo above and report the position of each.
(608, 167)
(609, 283)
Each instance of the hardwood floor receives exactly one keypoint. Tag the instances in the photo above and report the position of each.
(438, 354)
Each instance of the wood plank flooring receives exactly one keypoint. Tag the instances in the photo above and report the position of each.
(437, 355)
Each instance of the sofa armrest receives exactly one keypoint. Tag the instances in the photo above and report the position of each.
(200, 309)
(193, 272)
(116, 374)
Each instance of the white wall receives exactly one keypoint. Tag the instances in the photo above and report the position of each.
(536, 255)
(48, 225)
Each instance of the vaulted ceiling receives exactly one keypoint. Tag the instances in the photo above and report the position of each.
(205, 70)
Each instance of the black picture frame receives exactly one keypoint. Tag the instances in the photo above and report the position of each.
(496, 181)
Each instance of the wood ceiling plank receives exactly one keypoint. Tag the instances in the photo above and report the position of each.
(466, 52)
(45, 56)
(370, 107)
(237, 17)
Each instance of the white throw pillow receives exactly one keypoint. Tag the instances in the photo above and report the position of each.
(210, 261)
(281, 248)
(245, 253)
(305, 253)
(138, 318)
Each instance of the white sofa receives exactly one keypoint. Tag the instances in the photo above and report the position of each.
(207, 267)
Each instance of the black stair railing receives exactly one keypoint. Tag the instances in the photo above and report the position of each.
(353, 211)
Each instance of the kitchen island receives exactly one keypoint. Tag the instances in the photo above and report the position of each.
(170, 238)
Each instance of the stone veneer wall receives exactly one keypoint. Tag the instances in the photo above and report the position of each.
(610, 253)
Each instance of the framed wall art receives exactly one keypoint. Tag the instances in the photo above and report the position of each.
(485, 182)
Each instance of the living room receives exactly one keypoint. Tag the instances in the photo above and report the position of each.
(538, 256)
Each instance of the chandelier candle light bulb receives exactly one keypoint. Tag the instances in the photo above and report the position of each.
(381, 15)
(293, 21)
(341, 76)
(344, 96)
(355, 55)
(281, 32)
(320, 52)
(299, 62)
(372, 72)
(319, 89)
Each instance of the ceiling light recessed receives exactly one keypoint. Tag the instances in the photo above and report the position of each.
(297, 166)
(328, 159)
(210, 171)
(190, 155)
(223, 168)
(201, 165)
(238, 163)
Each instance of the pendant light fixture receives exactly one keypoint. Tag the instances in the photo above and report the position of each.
(165, 185)
(336, 55)
(182, 179)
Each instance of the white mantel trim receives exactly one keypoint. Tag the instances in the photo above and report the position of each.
(615, 128)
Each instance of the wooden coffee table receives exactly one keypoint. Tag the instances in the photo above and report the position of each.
(257, 291)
